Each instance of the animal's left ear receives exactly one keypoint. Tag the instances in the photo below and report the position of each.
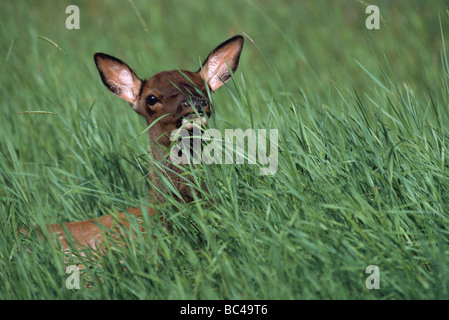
(215, 69)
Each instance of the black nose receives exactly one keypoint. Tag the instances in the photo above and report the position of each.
(198, 103)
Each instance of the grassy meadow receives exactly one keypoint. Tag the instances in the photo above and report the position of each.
(363, 172)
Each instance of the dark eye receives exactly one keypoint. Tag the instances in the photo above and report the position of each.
(152, 100)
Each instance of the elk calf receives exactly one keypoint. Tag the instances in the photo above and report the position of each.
(178, 98)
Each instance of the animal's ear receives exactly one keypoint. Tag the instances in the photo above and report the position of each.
(118, 77)
(215, 69)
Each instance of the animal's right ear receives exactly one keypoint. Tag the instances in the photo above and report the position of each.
(118, 77)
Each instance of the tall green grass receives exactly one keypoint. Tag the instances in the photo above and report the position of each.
(363, 161)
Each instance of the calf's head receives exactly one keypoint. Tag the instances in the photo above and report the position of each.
(177, 98)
